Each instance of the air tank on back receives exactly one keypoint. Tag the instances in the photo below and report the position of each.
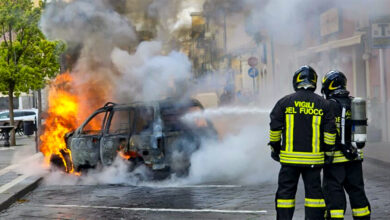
(359, 121)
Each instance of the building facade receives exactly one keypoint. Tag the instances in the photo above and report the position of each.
(355, 41)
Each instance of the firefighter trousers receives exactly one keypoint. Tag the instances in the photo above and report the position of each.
(287, 188)
(346, 176)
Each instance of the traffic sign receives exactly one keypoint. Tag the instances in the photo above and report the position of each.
(253, 72)
(380, 32)
(253, 61)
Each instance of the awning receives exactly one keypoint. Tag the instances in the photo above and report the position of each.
(346, 42)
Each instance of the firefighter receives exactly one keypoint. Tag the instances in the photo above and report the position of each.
(300, 123)
(345, 171)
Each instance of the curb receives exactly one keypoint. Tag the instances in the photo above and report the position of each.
(18, 191)
(21, 184)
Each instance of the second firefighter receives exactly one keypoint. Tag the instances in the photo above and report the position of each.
(345, 172)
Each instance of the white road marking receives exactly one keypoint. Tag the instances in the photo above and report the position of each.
(7, 148)
(161, 209)
(189, 186)
(14, 166)
(7, 186)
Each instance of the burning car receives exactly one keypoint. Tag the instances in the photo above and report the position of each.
(150, 133)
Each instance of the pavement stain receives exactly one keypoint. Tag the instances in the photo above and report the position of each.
(22, 200)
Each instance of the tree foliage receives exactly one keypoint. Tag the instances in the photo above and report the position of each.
(27, 59)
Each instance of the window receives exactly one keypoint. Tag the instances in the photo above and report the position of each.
(18, 114)
(28, 113)
(94, 125)
(171, 118)
(4, 115)
(121, 121)
(145, 119)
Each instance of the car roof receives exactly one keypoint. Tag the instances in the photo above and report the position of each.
(21, 110)
(165, 103)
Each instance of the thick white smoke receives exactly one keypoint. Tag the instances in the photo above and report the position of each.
(149, 72)
(147, 75)
(117, 173)
(285, 21)
(173, 16)
(241, 158)
(90, 23)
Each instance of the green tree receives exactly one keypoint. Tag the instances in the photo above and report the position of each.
(27, 59)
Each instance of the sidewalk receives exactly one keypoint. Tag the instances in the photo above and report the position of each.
(14, 183)
(24, 146)
(378, 151)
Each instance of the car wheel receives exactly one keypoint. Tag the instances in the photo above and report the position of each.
(57, 162)
(161, 174)
(135, 162)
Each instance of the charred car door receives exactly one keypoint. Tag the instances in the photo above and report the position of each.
(117, 133)
(146, 140)
(85, 142)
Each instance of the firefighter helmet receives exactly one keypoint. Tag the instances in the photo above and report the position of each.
(305, 78)
(334, 82)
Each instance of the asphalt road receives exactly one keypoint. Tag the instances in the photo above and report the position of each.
(216, 201)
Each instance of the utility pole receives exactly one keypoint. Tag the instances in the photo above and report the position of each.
(383, 91)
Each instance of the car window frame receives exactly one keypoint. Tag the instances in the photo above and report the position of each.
(80, 129)
(112, 113)
(137, 115)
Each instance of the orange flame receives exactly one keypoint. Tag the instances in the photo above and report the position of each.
(62, 112)
(72, 97)
(124, 155)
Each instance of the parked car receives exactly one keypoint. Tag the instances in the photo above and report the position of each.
(20, 115)
(150, 133)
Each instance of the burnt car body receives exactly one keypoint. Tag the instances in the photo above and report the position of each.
(150, 133)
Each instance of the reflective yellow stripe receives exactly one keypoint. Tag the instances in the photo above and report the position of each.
(328, 142)
(289, 132)
(271, 132)
(329, 135)
(340, 160)
(329, 138)
(316, 133)
(330, 154)
(337, 213)
(301, 161)
(338, 154)
(285, 203)
(315, 203)
(301, 157)
(361, 211)
(339, 157)
(275, 135)
(302, 154)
